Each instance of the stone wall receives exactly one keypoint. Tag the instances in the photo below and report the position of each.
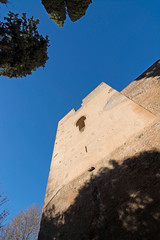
(104, 176)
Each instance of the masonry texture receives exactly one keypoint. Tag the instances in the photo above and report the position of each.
(104, 179)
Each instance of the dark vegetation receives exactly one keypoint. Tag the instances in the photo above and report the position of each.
(4, 1)
(3, 211)
(22, 48)
(24, 226)
(121, 202)
(57, 9)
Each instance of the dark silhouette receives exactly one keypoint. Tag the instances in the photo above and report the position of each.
(58, 9)
(3, 1)
(22, 48)
(3, 212)
(153, 71)
(121, 202)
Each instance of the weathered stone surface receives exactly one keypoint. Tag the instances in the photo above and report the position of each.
(145, 90)
(120, 142)
(120, 201)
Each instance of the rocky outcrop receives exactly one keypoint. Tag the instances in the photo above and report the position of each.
(57, 9)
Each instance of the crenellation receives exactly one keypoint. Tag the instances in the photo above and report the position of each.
(108, 128)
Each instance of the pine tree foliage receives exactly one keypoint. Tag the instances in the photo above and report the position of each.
(57, 9)
(22, 48)
(4, 1)
(77, 8)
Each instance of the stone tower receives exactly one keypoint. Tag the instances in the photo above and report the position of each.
(104, 178)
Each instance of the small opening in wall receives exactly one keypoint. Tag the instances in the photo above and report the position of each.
(86, 148)
(91, 169)
(81, 124)
(55, 155)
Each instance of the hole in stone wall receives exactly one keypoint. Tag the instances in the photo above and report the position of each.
(81, 124)
(86, 148)
(91, 169)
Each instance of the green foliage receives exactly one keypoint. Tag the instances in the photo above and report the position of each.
(22, 48)
(77, 8)
(4, 1)
(57, 9)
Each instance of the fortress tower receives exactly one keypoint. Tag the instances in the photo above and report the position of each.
(104, 179)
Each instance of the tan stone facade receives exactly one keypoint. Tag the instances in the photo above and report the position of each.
(102, 153)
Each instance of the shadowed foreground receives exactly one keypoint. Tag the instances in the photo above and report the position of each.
(121, 202)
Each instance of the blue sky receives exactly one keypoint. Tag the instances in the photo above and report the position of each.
(115, 42)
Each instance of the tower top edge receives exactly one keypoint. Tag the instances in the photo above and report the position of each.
(86, 100)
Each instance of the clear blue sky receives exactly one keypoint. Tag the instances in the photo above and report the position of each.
(115, 42)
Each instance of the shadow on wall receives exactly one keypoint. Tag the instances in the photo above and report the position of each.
(120, 203)
(153, 71)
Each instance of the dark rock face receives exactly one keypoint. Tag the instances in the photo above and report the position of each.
(57, 9)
